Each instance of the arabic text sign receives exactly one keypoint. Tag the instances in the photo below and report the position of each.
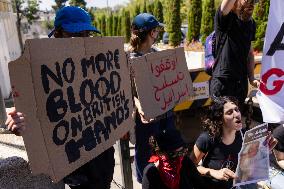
(272, 73)
(76, 95)
(162, 81)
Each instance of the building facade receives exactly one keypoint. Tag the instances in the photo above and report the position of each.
(9, 44)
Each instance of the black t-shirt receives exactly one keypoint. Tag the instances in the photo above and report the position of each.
(278, 133)
(219, 155)
(232, 62)
(189, 177)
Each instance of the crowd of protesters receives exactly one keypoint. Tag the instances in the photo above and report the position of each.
(164, 161)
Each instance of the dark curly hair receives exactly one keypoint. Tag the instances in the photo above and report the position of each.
(212, 118)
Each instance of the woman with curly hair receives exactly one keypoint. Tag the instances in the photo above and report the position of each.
(219, 145)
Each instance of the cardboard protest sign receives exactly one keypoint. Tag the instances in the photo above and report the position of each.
(271, 94)
(76, 96)
(253, 159)
(162, 81)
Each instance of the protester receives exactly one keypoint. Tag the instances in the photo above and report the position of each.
(235, 30)
(15, 121)
(171, 167)
(219, 145)
(98, 173)
(276, 172)
(144, 32)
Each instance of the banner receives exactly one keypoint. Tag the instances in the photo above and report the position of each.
(271, 94)
(162, 81)
(253, 159)
(76, 96)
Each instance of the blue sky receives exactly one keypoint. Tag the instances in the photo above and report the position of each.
(46, 4)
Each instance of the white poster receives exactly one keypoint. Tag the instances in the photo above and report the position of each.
(271, 94)
(253, 161)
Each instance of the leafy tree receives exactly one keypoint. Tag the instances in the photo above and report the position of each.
(110, 25)
(194, 21)
(207, 21)
(49, 24)
(59, 4)
(150, 8)
(78, 3)
(136, 10)
(158, 11)
(103, 25)
(115, 25)
(119, 26)
(29, 12)
(144, 7)
(260, 16)
(174, 22)
(97, 23)
(126, 23)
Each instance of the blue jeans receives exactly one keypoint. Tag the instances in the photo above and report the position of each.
(143, 132)
(276, 178)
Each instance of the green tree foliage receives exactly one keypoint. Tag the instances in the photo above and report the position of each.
(119, 26)
(136, 10)
(194, 21)
(144, 7)
(78, 3)
(48, 24)
(30, 12)
(126, 24)
(103, 25)
(158, 11)
(59, 4)
(110, 25)
(207, 21)
(174, 22)
(260, 16)
(97, 22)
(115, 25)
(150, 8)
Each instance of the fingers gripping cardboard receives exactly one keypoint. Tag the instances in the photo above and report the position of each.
(76, 96)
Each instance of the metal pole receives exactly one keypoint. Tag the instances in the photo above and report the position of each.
(125, 162)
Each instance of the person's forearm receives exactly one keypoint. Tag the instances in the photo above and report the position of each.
(205, 171)
(251, 65)
(227, 6)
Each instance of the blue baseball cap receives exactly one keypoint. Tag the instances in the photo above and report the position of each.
(73, 19)
(145, 22)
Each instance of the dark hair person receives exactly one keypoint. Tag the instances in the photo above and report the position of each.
(235, 30)
(218, 146)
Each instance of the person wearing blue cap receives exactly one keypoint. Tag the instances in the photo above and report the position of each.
(72, 21)
(144, 32)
